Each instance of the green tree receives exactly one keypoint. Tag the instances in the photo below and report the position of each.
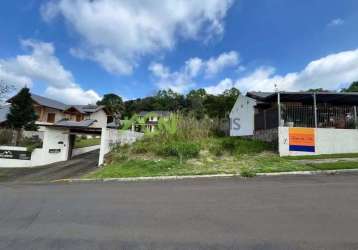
(22, 114)
(196, 99)
(113, 103)
(352, 88)
(230, 96)
(168, 100)
(221, 105)
(318, 90)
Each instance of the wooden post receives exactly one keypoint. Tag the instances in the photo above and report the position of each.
(315, 110)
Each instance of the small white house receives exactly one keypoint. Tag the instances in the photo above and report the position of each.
(242, 115)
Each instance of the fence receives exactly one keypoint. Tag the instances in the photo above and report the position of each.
(328, 116)
(298, 115)
(266, 119)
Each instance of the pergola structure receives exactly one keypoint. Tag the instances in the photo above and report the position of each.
(308, 109)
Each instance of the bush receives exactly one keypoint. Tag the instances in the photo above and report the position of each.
(244, 146)
(31, 143)
(216, 150)
(247, 172)
(182, 150)
(6, 136)
(229, 144)
(140, 147)
(120, 158)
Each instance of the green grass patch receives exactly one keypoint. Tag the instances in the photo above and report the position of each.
(325, 156)
(273, 164)
(82, 143)
(146, 168)
(334, 165)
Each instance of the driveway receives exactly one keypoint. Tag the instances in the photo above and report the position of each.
(75, 167)
(317, 212)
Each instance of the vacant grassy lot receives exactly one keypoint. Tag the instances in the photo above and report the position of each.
(84, 142)
(216, 156)
(184, 145)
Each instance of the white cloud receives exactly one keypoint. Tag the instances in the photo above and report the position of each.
(331, 72)
(336, 22)
(227, 83)
(215, 65)
(184, 78)
(41, 64)
(178, 81)
(116, 34)
(193, 66)
(73, 95)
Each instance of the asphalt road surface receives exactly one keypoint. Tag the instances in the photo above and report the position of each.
(317, 212)
(77, 166)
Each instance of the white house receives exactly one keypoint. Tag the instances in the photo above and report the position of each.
(152, 118)
(242, 117)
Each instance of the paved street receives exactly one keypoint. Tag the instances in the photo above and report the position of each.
(318, 212)
(77, 166)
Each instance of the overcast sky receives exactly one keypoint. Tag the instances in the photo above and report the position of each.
(78, 50)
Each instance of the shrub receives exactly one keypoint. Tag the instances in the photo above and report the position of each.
(247, 172)
(244, 146)
(229, 144)
(140, 148)
(31, 143)
(182, 150)
(216, 150)
(120, 158)
(6, 136)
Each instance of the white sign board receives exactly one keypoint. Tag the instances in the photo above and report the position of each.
(242, 117)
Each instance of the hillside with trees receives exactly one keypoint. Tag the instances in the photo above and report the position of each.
(197, 102)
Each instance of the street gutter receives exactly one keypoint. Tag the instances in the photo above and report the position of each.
(158, 178)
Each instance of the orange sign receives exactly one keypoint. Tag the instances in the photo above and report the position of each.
(302, 139)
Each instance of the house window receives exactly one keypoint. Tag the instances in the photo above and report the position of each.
(51, 117)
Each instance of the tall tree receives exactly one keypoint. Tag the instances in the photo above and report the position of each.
(230, 96)
(113, 103)
(221, 105)
(22, 114)
(352, 88)
(169, 100)
(196, 99)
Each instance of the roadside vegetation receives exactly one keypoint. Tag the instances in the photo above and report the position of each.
(324, 156)
(187, 146)
(83, 141)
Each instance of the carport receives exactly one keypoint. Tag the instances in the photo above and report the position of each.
(75, 128)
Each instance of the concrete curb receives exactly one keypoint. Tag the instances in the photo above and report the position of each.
(317, 172)
(156, 178)
(162, 178)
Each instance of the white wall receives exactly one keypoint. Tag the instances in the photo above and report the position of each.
(327, 141)
(242, 117)
(79, 151)
(112, 137)
(101, 118)
(42, 156)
